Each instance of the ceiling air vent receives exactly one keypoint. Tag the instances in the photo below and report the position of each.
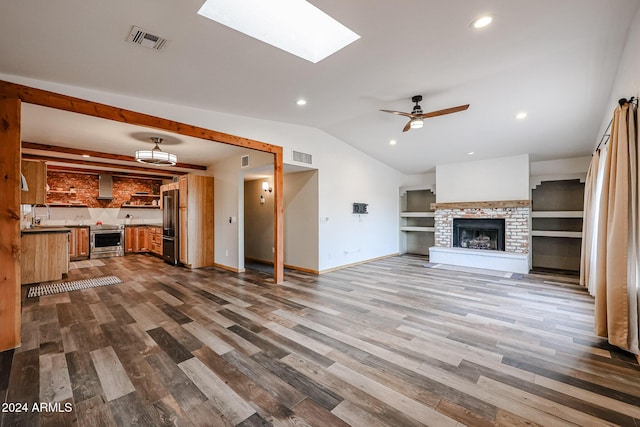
(146, 39)
(302, 157)
(244, 161)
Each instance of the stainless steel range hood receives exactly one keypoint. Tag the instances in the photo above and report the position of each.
(105, 187)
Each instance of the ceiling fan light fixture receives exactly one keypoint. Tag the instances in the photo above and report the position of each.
(156, 156)
(416, 123)
(482, 21)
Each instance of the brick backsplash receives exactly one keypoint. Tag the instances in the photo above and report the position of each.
(85, 189)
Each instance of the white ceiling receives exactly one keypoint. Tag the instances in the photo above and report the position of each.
(555, 59)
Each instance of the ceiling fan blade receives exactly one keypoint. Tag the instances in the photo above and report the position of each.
(407, 126)
(443, 112)
(399, 113)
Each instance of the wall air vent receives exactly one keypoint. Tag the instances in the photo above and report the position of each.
(146, 39)
(244, 161)
(302, 157)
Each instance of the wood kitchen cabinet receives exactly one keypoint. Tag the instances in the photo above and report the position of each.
(167, 187)
(78, 243)
(155, 235)
(182, 189)
(130, 236)
(35, 172)
(196, 221)
(142, 239)
(44, 255)
(183, 236)
(139, 239)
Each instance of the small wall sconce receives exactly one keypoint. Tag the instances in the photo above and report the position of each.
(266, 187)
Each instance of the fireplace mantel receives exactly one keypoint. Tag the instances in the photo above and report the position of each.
(483, 205)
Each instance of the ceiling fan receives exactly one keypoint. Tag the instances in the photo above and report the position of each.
(417, 115)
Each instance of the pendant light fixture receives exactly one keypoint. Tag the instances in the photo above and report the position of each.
(156, 156)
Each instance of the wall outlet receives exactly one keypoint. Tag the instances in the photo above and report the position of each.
(226, 252)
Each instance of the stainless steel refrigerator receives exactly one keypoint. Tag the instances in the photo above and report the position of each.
(170, 226)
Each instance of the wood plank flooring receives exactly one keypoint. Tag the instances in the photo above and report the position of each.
(387, 343)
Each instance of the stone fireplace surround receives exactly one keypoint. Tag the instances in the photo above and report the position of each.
(515, 258)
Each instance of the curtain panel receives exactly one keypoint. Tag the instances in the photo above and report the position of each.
(611, 240)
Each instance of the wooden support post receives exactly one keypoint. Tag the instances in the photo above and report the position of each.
(278, 216)
(9, 223)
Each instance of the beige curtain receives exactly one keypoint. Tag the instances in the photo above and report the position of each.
(610, 256)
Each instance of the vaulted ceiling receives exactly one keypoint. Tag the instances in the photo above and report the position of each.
(556, 60)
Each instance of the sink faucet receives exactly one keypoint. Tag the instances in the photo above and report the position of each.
(35, 219)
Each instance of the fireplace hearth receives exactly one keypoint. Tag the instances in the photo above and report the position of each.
(479, 233)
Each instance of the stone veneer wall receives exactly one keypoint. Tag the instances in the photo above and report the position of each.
(517, 228)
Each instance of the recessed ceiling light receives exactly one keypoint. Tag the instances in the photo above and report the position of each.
(482, 21)
(521, 115)
(393, 142)
(86, 156)
(471, 153)
(301, 102)
(295, 26)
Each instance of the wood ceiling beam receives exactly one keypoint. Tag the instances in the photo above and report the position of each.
(101, 165)
(76, 105)
(67, 168)
(98, 154)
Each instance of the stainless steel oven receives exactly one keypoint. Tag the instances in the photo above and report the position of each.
(106, 240)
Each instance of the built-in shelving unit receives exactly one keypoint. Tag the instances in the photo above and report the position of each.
(65, 202)
(416, 221)
(556, 224)
(406, 215)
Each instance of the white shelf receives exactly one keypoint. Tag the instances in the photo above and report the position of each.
(417, 214)
(546, 233)
(557, 214)
(411, 228)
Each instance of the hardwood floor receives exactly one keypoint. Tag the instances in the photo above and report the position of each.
(388, 343)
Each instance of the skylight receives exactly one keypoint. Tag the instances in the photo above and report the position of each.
(294, 26)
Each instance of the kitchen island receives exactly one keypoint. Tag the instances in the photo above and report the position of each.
(44, 254)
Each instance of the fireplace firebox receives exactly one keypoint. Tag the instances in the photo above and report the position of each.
(479, 233)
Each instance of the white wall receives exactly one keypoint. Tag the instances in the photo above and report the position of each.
(505, 178)
(571, 165)
(301, 225)
(559, 169)
(627, 82)
(258, 221)
(227, 201)
(345, 176)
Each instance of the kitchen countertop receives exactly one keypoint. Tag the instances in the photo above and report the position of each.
(143, 225)
(36, 230)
